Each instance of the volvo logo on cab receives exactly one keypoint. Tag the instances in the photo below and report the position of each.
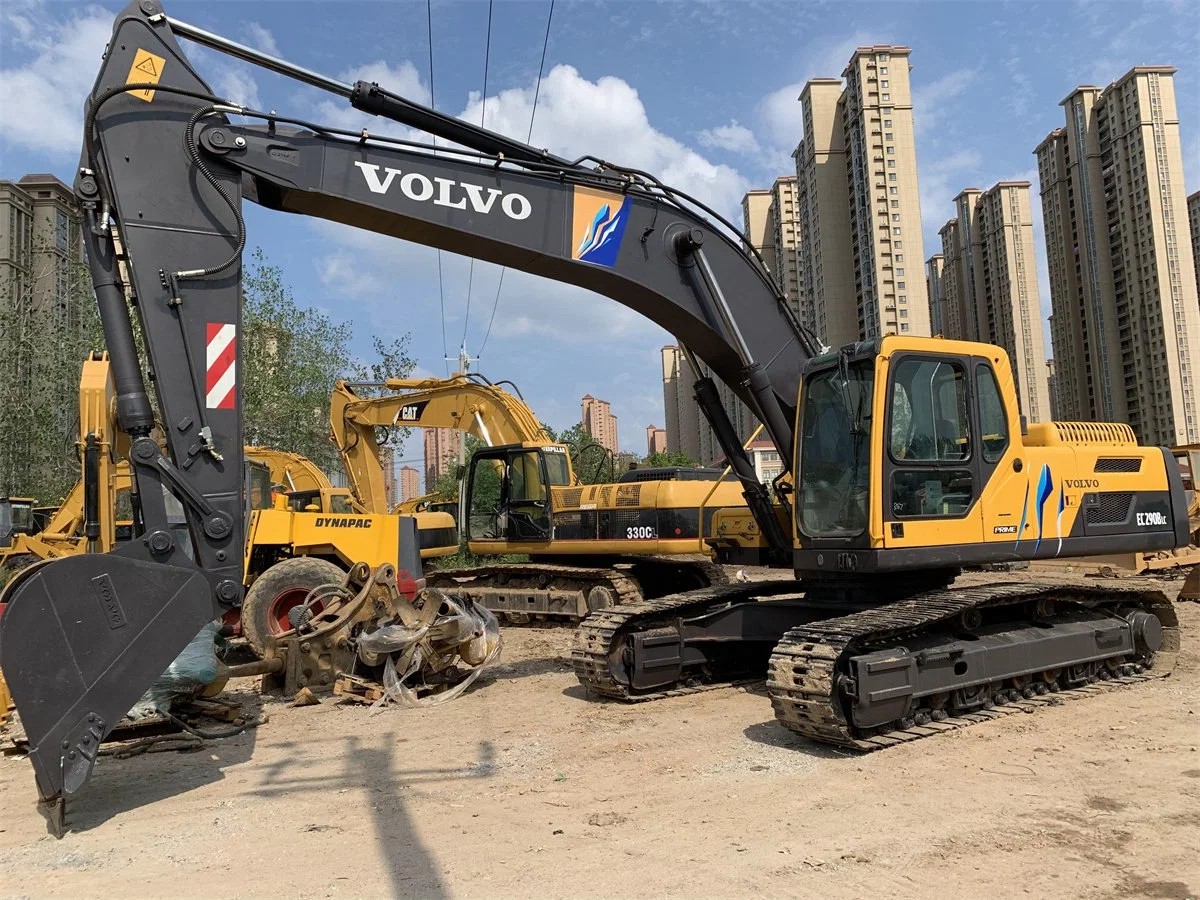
(451, 193)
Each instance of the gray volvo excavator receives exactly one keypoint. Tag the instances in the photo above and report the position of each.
(867, 642)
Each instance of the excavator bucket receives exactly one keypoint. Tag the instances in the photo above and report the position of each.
(80, 640)
(1191, 586)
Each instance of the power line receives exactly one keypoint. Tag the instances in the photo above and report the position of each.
(433, 105)
(528, 137)
(487, 54)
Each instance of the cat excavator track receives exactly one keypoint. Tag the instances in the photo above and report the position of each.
(535, 592)
(838, 681)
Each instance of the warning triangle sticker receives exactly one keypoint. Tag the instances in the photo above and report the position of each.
(147, 66)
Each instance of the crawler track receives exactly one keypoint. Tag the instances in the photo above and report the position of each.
(535, 591)
(807, 666)
(599, 640)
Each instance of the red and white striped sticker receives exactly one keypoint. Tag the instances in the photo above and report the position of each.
(221, 380)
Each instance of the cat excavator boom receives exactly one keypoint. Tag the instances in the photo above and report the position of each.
(590, 546)
(907, 454)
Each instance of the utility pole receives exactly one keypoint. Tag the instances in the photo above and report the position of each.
(464, 365)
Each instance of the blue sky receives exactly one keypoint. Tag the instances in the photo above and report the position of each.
(702, 94)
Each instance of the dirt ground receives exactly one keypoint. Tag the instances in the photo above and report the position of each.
(523, 786)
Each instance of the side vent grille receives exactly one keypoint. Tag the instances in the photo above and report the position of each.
(1112, 509)
(1095, 433)
(571, 497)
(1119, 464)
(605, 495)
(629, 495)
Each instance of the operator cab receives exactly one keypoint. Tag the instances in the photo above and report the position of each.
(508, 491)
(899, 428)
(316, 501)
(16, 517)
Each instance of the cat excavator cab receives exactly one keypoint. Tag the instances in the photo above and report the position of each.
(590, 545)
(907, 455)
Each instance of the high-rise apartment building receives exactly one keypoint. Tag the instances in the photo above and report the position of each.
(46, 322)
(1193, 205)
(656, 440)
(966, 263)
(951, 287)
(770, 218)
(687, 429)
(785, 234)
(442, 447)
(41, 245)
(1052, 389)
(862, 252)
(1126, 324)
(410, 483)
(933, 287)
(989, 290)
(599, 422)
(756, 223)
(826, 263)
(391, 487)
(1009, 310)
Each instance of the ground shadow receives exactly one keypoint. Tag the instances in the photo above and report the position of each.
(412, 870)
(772, 734)
(120, 785)
(579, 692)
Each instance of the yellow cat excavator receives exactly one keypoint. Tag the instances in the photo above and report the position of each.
(590, 546)
(908, 455)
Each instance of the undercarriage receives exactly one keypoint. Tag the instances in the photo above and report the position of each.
(567, 590)
(864, 674)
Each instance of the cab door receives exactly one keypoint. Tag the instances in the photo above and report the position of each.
(507, 496)
(931, 475)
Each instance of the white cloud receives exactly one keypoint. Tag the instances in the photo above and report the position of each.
(230, 80)
(941, 180)
(780, 111)
(394, 284)
(931, 102)
(402, 79)
(42, 100)
(262, 39)
(732, 137)
(606, 118)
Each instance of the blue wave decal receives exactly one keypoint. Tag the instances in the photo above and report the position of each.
(603, 238)
(1044, 490)
(1062, 502)
(1024, 516)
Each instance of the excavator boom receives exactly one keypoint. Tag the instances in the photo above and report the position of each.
(465, 402)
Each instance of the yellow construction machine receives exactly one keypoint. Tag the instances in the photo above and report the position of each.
(317, 529)
(590, 546)
(909, 456)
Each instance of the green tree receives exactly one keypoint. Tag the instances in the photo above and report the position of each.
(291, 357)
(677, 458)
(592, 463)
(48, 324)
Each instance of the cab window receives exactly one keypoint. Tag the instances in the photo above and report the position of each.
(929, 412)
(558, 467)
(993, 436)
(929, 440)
(835, 457)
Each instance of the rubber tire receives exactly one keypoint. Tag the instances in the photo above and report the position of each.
(298, 573)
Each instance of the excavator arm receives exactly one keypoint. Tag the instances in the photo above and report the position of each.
(466, 402)
(166, 167)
